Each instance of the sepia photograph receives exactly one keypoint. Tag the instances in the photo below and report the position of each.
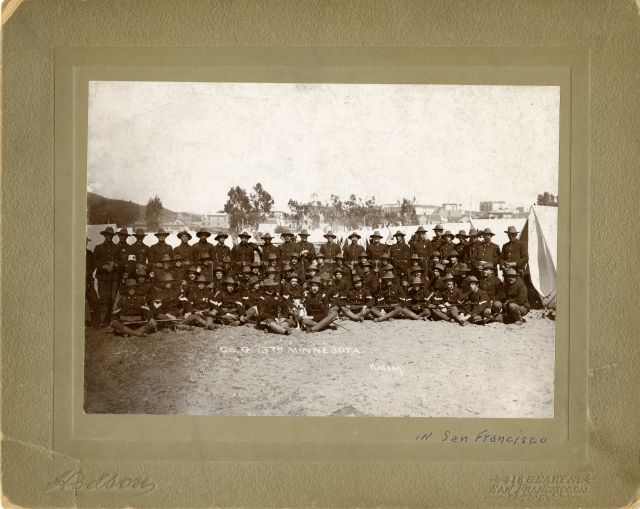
(321, 249)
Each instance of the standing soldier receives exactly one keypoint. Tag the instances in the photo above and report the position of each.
(462, 245)
(515, 253)
(375, 250)
(353, 251)
(104, 261)
(157, 251)
(243, 254)
(446, 244)
(220, 250)
(90, 290)
(188, 253)
(288, 247)
(305, 245)
(203, 245)
(391, 299)
(422, 247)
(124, 250)
(400, 254)
(487, 251)
(517, 303)
(437, 238)
(330, 249)
(138, 253)
(266, 250)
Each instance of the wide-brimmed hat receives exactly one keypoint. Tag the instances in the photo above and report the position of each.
(166, 258)
(329, 234)
(363, 255)
(448, 277)
(141, 272)
(184, 232)
(448, 234)
(226, 259)
(454, 253)
(463, 268)
(267, 236)
(487, 265)
(389, 275)
(166, 277)
(219, 268)
(295, 254)
(228, 281)
(421, 230)
(399, 233)
(341, 270)
(320, 255)
(312, 267)
(365, 263)
(286, 267)
(316, 280)
(436, 253)
(202, 279)
(303, 233)
(438, 228)
(416, 281)
(414, 256)
(204, 256)
(292, 276)
(355, 234)
(193, 268)
(273, 256)
(131, 282)
(161, 231)
(203, 232)
(253, 280)
(487, 231)
(269, 282)
(462, 234)
(326, 276)
(473, 232)
(287, 233)
(388, 266)
(271, 269)
(246, 269)
(511, 229)
(255, 264)
(439, 267)
(472, 279)
(245, 234)
(376, 234)
(510, 273)
(123, 231)
(177, 258)
(417, 269)
(140, 233)
(356, 279)
(107, 231)
(220, 235)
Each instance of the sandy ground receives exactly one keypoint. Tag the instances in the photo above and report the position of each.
(398, 368)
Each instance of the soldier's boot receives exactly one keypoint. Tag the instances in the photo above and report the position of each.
(425, 315)
(365, 312)
(192, 318)
(325, 322)
(453, 311)
(477, 319)
(441, 315)
(376, 313)
(410, 314)
(347, 312)
(278, 329)
(147, 328)
(251, 312)
(120, 327)
(391, 314)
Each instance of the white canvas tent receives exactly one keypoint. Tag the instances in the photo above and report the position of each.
(540, 232)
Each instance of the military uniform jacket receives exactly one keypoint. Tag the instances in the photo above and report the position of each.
(219, 252)
(400, 255)
(375, 252)
(361, 297)
(266, 250)
(132, 308)
(251, 298)
(462, 248)
(158, 274)
(141, 252)
(454, 296)
(390, 296)
(343, 286)
(157, 251)
(225, 302)
(517, 252)
(352, 253)
(493, 287)
(317, 305)
(166, 301)
(188, 253)
(217, 285)
(485, 252)
(446, 248)
(269, 306)
(517, 293)
(477, 301)
(422, 248)
(199, 300)
(124, 250)
(201, 248)
(308, 246)
(286, 249)
(289, 293)
(297, 268)
(103, 254)
(370, 282)
(418, 298)
(243, 254)
(330, 251)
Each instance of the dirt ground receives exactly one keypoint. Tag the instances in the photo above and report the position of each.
(398, 368)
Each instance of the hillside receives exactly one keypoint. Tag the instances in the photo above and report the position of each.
(101, 210)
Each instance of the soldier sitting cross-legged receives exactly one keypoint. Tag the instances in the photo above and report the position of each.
(359, 302)
(131, 314)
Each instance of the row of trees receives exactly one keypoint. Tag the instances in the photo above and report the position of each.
(247, 209)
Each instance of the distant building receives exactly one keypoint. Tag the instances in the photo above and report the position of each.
(429, 219)
(215, 220)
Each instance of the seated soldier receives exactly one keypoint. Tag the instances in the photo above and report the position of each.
(273, 262)
(359, 301)
(460, 275)
(475, 305)
(198, 305)
(292, 297)
(256, 270)
(229, 272)
(391, 299)
(417, 303)
(493, 287)
(244, 276)
(321, 265)
(271, 274)
(342, 282)
(516, 304)
(414, 262)
(144, 288)
(191, 282)
(312, 272)
(166, 303)
(433, 261)
(319, 315)
(180, 269)
(251, 299)
(436, 281)
(296, 266)
(227, 304)
(369, 278)
(449, 300)
(342, 264)
(132, 315)
(164, 266)
(269, 308)
(205, 266)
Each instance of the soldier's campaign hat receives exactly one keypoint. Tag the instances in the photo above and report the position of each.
(292, 276)
(160, 232)
(355, 234)
(295, 254)
(246, 269)
(439, 267)
(228, 281)
(436, 254)
(166, 258)
(245, 234)
(220, 268)
(448, 234)
(486, 265)
(226, 259)
(203, 232)
(389, 275)
(473, 232)
(107, 231)
(219, 235)
(438, 228)
(202, 279)
(385, 255)
(356, 279)
(376, 234)
(131, 282)
(286, 267)
(417, 269)
(271, 269)
(510, 273)
(462, 235)
(416, 281)
(421, 230)
(316, 280)
(365, 263)
(511, 229)
(193, 268)
(340, 256)
(267, 236)
(269, 282)
(166, 277)
(329, 234)
(341, 270)
(487, 231)
(325, 276)
(320, 255)
(453, 253)
(177, 258)
(183, 233)
(414, 256)
(255, 264)
(253, 280)
(388, 266)
(472, 279)
(463, 268)
(204, 256)
(312, 267)
(123, 231)
(399, 233)
(141, 272)
(448, 277)
(273, 256)
(287, 233)
(363, 255)
(303, 233)
(140, 233)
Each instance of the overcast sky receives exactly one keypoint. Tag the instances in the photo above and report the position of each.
(189, 143)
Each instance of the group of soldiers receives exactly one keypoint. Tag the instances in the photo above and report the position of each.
(142, 288)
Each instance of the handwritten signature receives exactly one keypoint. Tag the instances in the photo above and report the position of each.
(76, 481)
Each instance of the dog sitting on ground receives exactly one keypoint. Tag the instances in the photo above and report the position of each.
(299, 312)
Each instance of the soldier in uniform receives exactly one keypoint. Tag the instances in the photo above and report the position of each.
(251, 299)
(217, 282)
(91, 295)
(271, 274)
(435, 281)
(187, 252)
(269, 308)
(375, 250)
(291, 291)
(462, 245)
(359, 302)
(138, 253)
(229, 272)
(516, 304)
(256, 270)
(305, 245)
(446, 244)
(124, 249)
(417, 301)
(317, 306)
(493, 287)
(342, 284)
(353, 251)
(166, 303)
(515, 253)
(400, 253)
(451, 301)
(191, 280)
(203, 245)
(104, 259)
(243, 254)
(132, 308)
(227, 303)
(476, 304)
(321, 266)
(391, 299)
(312, 271)
(243, 277)
(296, 266)
(161, 248)
(288, 247)
(198, 304)
(220, 250)
(330, 250)
(486, 251)
(422, 247)
(268, 249)
(437, 237)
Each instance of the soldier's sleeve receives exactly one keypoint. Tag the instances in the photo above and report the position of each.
(96, 258)
(216, 302)
(523, 295)
(500, 295)
(524, 255)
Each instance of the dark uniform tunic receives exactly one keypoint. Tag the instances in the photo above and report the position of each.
(199, 300)
(493, 287)
(370, 282)
(391, 296)
(157, 251)
(446, 248)
(124, 249)
(417, 299)
(132, 308)
(165, 301)
(201, 248)
(251, 298)
(424, 250)
(517, 252)
(225, 302)
(309, 247)
(103, 254)
(462, 248)
(454, 296)
(352, 254)
(317, 305)
(477, 302)
(266, 250)
(375, 252)
(517, 293)
(219, 253)
(488, 252)
(400, 255)
(242, 255)
(358, 298)
(286, 249)
(188, 254)
(140, 251)
(330, 251)
(269, 306)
